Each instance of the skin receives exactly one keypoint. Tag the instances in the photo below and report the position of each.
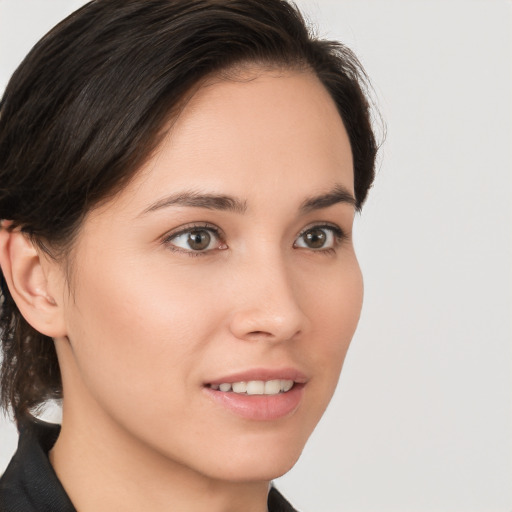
(147, 322)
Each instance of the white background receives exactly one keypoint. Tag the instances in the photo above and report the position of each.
(422, 420)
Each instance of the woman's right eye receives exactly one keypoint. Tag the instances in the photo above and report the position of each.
(195, 240)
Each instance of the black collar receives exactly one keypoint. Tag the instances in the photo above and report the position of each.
(30, 483)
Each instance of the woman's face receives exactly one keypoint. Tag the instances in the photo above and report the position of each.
(228, 260)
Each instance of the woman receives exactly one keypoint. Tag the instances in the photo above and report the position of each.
(179, 181)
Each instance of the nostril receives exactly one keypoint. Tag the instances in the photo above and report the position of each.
(265, 324)
(267, 336)
(261, 335)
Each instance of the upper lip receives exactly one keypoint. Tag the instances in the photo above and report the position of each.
(263, 374)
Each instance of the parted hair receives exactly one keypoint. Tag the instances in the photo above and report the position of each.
(90, 103)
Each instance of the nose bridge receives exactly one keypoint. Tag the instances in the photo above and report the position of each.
(267, 303)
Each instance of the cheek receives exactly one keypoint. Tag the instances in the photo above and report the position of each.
(335, 306)
(133, 326)
(336, 313)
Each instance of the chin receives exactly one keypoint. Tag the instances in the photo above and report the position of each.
(255, 472)
(261, 463)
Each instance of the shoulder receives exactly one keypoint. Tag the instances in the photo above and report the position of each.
(29, 483)
(277, 502)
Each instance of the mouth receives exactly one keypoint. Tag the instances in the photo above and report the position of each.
(255, 387)
(259, 395)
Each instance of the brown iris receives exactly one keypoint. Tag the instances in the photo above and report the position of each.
(315, 238)
(199, 239)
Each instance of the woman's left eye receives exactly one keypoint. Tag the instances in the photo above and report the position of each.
(195, 240)
(319, 238)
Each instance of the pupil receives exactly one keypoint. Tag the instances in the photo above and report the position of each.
(199, 240)
(315, 238)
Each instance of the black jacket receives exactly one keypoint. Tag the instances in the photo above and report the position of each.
(30, 484)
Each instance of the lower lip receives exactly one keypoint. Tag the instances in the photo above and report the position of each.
(259, 407)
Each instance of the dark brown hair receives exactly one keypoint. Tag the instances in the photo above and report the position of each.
(88, 105)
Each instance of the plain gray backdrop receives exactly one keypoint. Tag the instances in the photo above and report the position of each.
(422, 419)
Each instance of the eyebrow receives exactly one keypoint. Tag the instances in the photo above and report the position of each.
(339, 194)
(200, 200)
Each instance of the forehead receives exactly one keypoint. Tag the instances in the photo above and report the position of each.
(258, 133)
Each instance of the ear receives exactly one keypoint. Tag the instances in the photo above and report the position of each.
(31, 279)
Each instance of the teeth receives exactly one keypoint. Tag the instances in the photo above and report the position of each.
(239, 387)
(286, 385)
(273, 387)
(256, 387)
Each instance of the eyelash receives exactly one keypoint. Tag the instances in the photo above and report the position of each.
(187, 229)
(337, 232)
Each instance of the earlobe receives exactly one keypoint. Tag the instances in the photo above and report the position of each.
(28, 281)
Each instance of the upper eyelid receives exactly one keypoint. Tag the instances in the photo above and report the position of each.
(339, 232)
(206, 225)
(166, 240)
(191, 227)
(319, 224)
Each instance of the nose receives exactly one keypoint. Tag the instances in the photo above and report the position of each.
(266, 303)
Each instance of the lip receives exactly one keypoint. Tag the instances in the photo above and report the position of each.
(259, 407)
(261, 374)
